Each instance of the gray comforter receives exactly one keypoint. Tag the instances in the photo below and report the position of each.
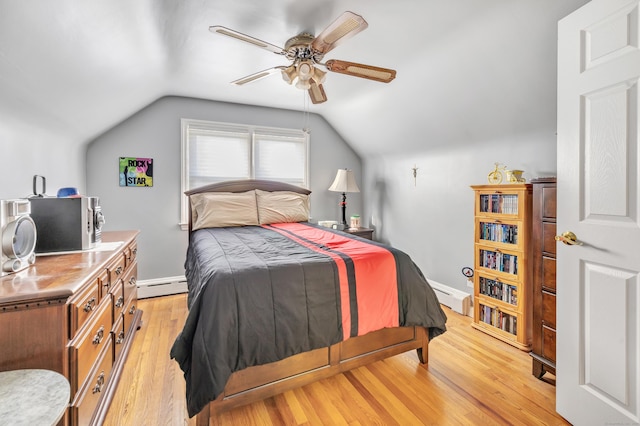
(260, 294)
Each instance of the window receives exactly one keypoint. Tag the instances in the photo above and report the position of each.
(214, 152)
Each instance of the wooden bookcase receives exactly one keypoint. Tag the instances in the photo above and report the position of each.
(502, 279)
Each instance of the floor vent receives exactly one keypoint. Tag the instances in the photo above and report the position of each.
(455, 299)
(161, 287)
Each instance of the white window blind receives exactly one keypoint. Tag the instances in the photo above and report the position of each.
(281, 157)
(218, 156)
(215, 152)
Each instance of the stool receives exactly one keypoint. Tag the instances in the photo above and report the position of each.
(33, 397)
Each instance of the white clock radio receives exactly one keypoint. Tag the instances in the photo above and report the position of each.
(17, 234)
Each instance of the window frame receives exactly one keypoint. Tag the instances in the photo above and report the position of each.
(187, 124)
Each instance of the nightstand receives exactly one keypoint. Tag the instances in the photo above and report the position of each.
(361, 232)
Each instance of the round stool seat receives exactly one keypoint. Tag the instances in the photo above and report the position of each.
(33, 397)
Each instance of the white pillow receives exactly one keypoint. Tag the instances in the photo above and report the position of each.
(282, 207)
(218, 209)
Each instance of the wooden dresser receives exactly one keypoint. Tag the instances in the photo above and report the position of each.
(544, 276)
(75, 314)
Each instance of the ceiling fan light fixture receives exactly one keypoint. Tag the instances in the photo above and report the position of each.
(303, 84)
(319, 76)
(289, 74)
(306, 53)
(305, 70)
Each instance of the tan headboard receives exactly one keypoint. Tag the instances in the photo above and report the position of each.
(244, 185)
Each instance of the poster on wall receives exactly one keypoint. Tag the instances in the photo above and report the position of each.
(136, 171)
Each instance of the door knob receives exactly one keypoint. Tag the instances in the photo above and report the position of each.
(569, 238)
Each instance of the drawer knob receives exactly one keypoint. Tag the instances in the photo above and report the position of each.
(97, 339)
(132, 281)
(120, 302)
(132, 310)
(91, 303)
(120, 338)
(118, 270)
(99, 383)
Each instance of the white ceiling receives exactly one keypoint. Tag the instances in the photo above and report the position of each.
(466, 68)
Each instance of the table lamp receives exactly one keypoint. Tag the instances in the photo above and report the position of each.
(344, 182)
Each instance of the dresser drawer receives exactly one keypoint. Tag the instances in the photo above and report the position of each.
(89, 343)
(548, 202)
(103, 282)
(85, 402)
(130, 281)
(549, 238)
(131, 254)
(549, 343)
(549, 274)
(82, 307)
(116, 270)
(129, 312)
(118, 299)
(119, 335)
(549, 309)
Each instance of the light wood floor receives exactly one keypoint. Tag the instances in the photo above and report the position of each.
(471, 379)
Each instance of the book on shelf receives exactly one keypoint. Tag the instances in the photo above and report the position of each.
(499, 203)
(497, 232)
(499, 319)
(499, 261)
(498, 290)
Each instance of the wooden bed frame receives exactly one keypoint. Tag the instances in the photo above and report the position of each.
(263, 381)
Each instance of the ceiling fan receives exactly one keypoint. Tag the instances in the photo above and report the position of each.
(306, 52)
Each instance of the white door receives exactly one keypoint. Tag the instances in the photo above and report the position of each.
(598, 295)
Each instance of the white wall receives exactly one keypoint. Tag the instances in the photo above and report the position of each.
(154, 132)
(27, 150)
(433, 219)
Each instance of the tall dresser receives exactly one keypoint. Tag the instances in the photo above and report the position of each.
(543, 349)
(75, 314)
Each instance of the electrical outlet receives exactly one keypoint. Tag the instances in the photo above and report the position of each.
(470, 283)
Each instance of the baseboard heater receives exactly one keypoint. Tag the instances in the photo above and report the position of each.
(161, 287)
(455, 299)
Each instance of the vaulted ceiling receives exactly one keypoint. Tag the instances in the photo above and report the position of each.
(465, 68)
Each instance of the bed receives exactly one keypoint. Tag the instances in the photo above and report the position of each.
(276, 302)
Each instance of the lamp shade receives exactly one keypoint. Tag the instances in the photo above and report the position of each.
(344, 182)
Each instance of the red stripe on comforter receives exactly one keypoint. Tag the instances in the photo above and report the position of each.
(375, 272)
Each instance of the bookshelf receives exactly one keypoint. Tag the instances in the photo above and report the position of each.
(502, 281)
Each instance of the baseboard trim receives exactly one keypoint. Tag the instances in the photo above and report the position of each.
(455, 299)
(161, 286)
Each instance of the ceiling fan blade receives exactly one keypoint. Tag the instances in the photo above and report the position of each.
(257, 76)
(316, 93)
(217, 29)
(345, 26)
(384, 75)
